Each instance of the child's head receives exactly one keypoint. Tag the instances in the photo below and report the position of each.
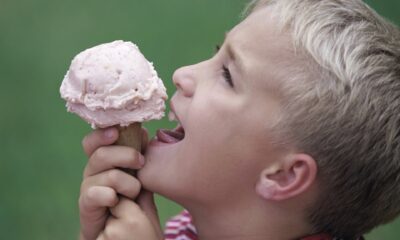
(301, 102)
(343, 108)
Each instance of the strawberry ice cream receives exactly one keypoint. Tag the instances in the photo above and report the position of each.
(113, 84)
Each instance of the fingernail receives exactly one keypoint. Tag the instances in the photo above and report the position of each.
(109, 133)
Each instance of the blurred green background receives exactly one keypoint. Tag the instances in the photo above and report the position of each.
(41, 157)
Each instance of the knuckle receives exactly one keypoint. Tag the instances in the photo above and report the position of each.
(132, 189)
(91, 194)
(111, 232)
(133, 222)
(89, 198)
(99, 155)
(136, 186)
(113, 177)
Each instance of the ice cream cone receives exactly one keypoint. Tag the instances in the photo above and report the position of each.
(130, 136)
(113, 84)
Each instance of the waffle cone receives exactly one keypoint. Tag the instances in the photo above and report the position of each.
(130, 136)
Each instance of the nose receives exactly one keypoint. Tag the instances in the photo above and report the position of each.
(184, 80)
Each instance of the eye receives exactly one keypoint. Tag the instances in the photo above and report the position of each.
(225, 71)
(227, 75)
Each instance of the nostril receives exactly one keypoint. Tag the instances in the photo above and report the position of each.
(178, 86)
(176, 82)
(183, 79)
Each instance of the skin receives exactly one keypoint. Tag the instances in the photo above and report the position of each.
(227, 170)
(107, 209)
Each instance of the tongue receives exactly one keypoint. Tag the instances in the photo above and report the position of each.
(169, 136)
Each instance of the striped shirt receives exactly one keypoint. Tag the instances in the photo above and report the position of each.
(181, 227)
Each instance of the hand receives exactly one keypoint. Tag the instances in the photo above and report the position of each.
(131, 221)
(103, 179)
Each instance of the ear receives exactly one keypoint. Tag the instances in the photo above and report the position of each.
(289, 178)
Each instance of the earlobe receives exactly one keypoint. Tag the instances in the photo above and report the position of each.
(294, 176)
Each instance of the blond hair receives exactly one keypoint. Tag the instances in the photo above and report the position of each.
(344, 109)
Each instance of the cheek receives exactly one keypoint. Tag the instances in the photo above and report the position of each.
(217, 171)
(218, 126)
(217, 112)
(216, 154)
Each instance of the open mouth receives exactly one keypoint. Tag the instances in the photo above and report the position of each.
(171, 136)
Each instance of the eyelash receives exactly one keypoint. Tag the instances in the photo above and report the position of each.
(226, 73)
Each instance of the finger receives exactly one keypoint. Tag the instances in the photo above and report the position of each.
(93, 209)
(148, 206)
(97, 197)
(109, 157)
(125, 209)
(98, 138)
(120, 181)
(113, 230)
(131, 217)
(145, 139)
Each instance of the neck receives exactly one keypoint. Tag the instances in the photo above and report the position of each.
(255, 221)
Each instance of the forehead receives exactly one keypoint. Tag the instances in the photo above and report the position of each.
(260, 25)
(266, 51)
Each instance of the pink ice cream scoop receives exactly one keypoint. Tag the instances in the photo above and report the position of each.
(113, 84)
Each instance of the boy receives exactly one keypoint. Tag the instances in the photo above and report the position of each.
(291, 131)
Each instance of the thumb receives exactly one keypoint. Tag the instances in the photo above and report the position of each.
(146, 203)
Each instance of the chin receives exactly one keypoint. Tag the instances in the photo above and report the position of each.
(159, 184)
(163, 173)
(159, 173)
